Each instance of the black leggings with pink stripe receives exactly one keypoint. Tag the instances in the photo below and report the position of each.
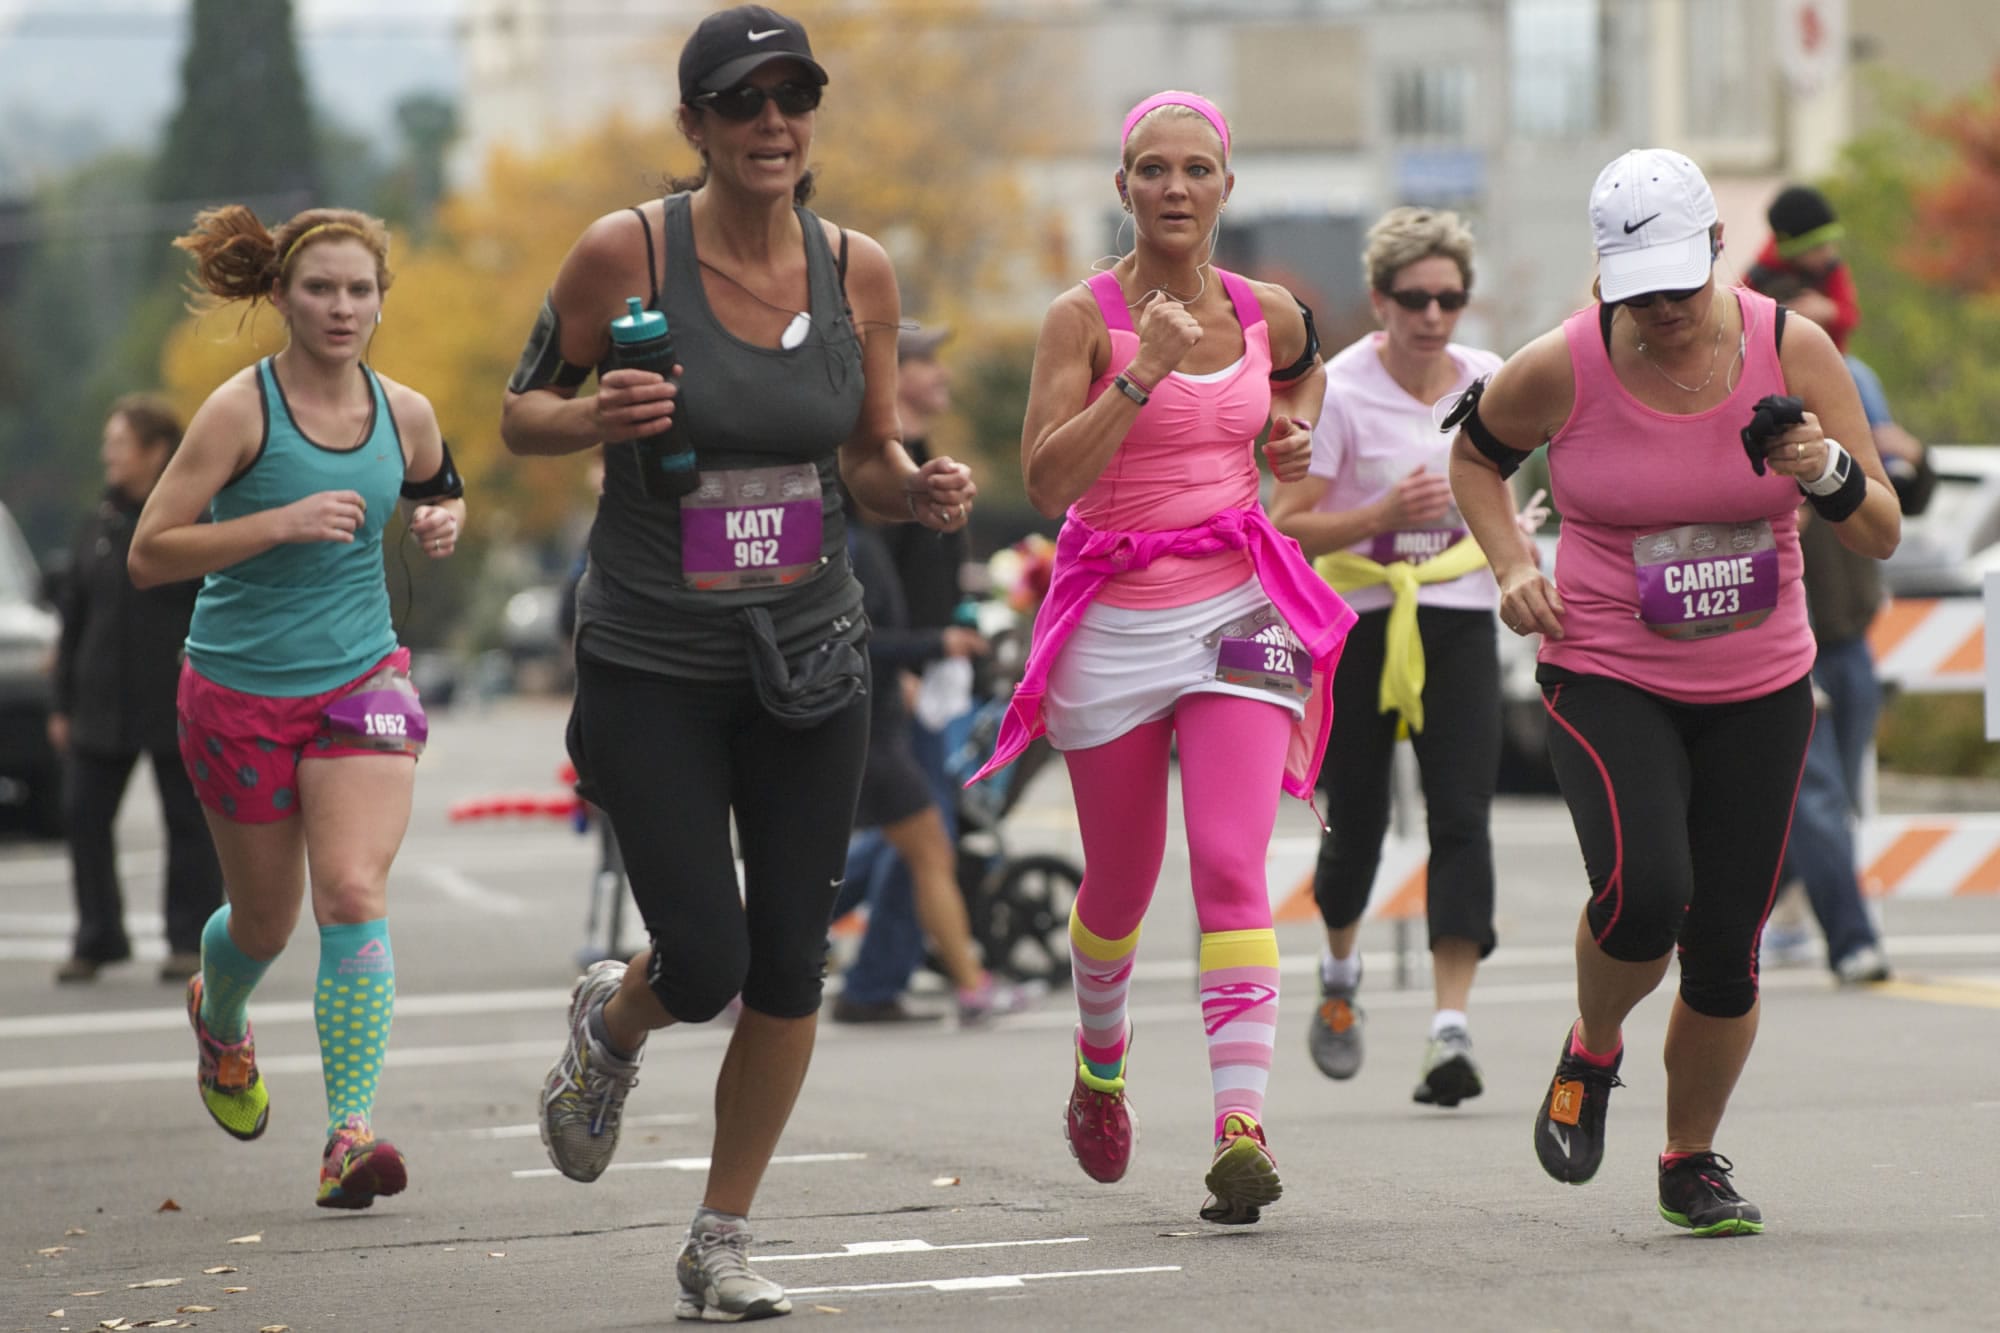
(1682, 811)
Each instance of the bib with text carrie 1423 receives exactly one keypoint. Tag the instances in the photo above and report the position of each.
(1705, 579)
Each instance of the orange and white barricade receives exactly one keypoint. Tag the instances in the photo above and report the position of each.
(1930, 856)
(1931, 645)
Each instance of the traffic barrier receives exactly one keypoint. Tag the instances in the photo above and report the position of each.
(1930, 856)
(1399, 879)
(1931, 645)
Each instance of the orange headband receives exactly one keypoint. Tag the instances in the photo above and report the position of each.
(314, 230)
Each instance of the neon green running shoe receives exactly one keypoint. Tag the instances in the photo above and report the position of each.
(226, 1073)
(358, 1168)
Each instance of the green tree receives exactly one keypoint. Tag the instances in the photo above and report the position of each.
(243, 128)
(1932, 342)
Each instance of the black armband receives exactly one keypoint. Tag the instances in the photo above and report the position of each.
(1465, 414)
(541, 365)
(446, 485)
(1842, 501)
(1309, 357)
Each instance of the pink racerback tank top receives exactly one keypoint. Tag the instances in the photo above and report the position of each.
(1641, 490)
(1188, 455)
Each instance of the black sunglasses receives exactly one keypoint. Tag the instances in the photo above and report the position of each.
(746, 100)
(1417, 299)
(1645, 299)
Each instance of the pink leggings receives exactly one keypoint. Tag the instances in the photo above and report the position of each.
(1232, 758)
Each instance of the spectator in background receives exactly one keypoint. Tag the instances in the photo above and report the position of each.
(117, 666)
(1800, 265)
(914, 619)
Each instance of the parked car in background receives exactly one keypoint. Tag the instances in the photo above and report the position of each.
(30, 776)
(1946, 550)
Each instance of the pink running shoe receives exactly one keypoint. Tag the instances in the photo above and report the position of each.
(358, 1168)
(1243, 1179)
(1100, 1124)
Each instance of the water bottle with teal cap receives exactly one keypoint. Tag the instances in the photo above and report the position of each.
(640, 341)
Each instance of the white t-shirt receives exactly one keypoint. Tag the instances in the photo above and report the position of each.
(1371, 434)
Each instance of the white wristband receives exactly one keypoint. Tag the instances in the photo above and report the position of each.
(1832, 476)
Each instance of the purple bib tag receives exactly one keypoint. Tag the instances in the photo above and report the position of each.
(1258, 651)
(383, 713)
(1413, 545)
(1706, 578)
(751, 528)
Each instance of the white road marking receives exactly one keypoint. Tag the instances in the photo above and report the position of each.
(862, 1249)
(630, 1122)
(167, 1071)
(950, 1284)
(170, 1015)
(462, 888)
(701, 1163)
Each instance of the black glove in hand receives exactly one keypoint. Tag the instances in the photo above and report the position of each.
(1774, 414)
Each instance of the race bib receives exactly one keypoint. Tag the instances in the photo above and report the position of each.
(1413, 545)
(1258, 651)
(1706, 578)
(751, 528)
(382, 713)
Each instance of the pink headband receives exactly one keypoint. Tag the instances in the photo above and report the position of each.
(1193, 101)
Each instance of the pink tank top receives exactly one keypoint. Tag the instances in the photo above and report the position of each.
(1187, 457)
(1678, 566)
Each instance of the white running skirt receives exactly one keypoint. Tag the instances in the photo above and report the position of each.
(1124, 667)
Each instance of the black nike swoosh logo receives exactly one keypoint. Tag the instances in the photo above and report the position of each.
(1631, 227)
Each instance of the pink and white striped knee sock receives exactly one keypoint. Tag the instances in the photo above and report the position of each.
(1101, 972)
(1239, 1010)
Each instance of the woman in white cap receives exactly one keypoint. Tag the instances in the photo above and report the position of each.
(1676, 654)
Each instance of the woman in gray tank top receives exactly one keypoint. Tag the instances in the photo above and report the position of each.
(718, 673)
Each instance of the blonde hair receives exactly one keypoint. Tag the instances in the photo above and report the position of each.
(1402, 236)
(238, 259)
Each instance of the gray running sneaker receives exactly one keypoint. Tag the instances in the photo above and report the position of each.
(1335, 1035)
(1450, 1075)
(716, 1282)
(1864, 967)
(583, 1098)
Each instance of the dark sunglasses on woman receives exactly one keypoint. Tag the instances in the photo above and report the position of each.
(746, 100)
(1417, 299)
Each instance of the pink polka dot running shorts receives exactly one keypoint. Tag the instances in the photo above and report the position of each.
(242, 751)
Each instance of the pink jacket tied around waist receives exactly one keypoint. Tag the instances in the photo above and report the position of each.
(1085, 558)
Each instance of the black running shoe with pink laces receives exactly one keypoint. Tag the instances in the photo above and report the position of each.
(1695, 1192)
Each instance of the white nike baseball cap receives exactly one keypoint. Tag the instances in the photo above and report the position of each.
(1650, 212)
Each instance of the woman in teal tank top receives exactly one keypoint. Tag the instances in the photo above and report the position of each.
(295, 699)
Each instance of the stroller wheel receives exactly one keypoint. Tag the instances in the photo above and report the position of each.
(1026, 918)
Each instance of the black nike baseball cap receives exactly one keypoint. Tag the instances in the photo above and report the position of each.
(731, 43)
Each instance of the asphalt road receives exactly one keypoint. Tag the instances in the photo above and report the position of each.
(923, 1183)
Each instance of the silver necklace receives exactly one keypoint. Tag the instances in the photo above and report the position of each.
(1201, 273)
(795, 332)
(1713, 352)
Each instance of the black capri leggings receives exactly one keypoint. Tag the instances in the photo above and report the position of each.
(1682, 811)
(1458, 756)
(668, 761)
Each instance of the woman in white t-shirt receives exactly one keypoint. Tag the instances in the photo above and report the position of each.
(1378, 509)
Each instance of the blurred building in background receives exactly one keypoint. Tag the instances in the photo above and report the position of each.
(1503, 109)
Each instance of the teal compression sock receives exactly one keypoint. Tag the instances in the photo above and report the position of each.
(228, 975)
(353, 1003)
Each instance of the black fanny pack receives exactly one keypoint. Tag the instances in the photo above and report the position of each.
(808, 689)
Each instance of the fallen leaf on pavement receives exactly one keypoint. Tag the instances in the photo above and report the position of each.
(496, 1254)
(153, 1282)
(56, 1314)
(196, 1309)
(75, 1231)
(254, 1238)
(1180, 1233)
(168, 1207)
(829, 1309)
(98, 1292)
(275, 1328)
(53, 1251)
(942, 1181)
(234, 1291)
(219, 1268)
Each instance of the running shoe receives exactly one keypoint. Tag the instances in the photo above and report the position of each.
(996, 999)
(358, 1168)
(1450, 1075)
(1100, 1125)
(1243, 1179)
(1866, 966)
(716, 1282)
(1695, 1193)
(226, 1074)
(1569, 1129)
(583, 1098)
(1335, 1035)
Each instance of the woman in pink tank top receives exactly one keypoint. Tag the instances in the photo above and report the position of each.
(1176, 615)
(1685, 424)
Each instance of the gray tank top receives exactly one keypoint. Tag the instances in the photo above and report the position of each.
(666, 580)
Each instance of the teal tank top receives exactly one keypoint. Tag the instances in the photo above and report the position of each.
(302, 618)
